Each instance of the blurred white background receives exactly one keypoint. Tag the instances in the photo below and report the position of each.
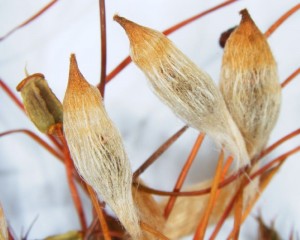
(33, 183)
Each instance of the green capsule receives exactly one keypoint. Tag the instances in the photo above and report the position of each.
(41, 104)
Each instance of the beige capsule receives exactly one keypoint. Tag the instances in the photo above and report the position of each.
(249, 84)
(187, 90)
(97, 149)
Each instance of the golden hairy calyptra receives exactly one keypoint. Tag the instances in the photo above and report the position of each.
(41, 104)
(97, 148)
(180, 84)
(250, 85)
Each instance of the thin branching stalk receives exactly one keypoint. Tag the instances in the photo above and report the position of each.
(181, 178)
(32, 18)
(103, 47)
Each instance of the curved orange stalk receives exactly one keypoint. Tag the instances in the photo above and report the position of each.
(151, 230)
(69, 170)
(101, 217)
(168, 31)
(159, 152)
(39, 13)
(290, 78)
(37, 139)
(281, 20)
(183, 174)
(201, 229)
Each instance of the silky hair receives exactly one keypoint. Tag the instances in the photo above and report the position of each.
(97, 149)
(187, 90)
(249, 84)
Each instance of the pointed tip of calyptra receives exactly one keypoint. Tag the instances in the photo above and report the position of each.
(129, 26)
(245, 16)
(74, 71)
(118, 18)
(76, 80)
(121, 20)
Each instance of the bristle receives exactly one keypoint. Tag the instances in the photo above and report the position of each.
(187, 90)
(249, 84)
(97, 150)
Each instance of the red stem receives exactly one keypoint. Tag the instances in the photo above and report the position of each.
(290, 78)
(158, 152)
(281, 20)
(37, 139)
(103, 47)
(39, 13)
(10, 93)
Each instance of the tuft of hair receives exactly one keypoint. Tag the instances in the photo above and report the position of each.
(97, 149)
(181, 85)
(249, 84)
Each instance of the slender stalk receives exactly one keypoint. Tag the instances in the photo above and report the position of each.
(290, 78)
(184, 173)
(10, 93)
(91, 228)
(238, 211)
(101, 86)
(281, 20)
(201, 229)
(118, 69)
(29, 20)
(227, 165)
(221, 185)
(275, 161)
(37, 139)
(158, 152)
(276, 144)
(101, 217)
